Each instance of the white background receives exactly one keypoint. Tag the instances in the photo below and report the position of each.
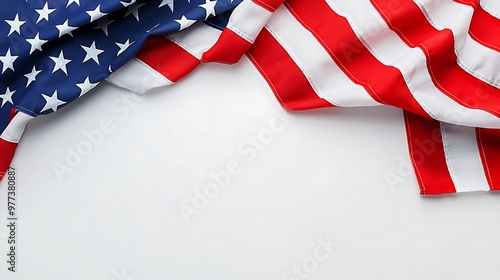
(116, 215)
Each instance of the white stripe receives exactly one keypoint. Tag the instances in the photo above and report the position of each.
(197, 39)
(15, 128)
(463, 159)
(391, 50)
(491, 6)
(138, 77)
(248, 19)
(326, 78)
(475, 58)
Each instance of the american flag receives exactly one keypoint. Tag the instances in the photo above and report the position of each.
(437, 60)
(54, 51)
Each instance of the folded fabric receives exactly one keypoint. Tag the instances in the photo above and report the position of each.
(52, 52)
(438, 61)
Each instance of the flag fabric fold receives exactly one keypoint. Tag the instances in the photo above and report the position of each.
(438, 61)
(52, 52)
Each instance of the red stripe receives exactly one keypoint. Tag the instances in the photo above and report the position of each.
(167, 58)
(482, 25)
(425, 145)
(488, 141)
(7, 150)
(285, 78)
(438, 46)
(13, 112)
(270, 5)
(384, 83)
(228, 49)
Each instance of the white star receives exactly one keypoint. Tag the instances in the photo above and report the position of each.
(65, 28)
(134, 10)
(95, 14)
(60, 63)
(86, 86)
(184, 22)
(103, 23)
(32, 76)
(92, 53)
(126, 4)
(209, 7)
(123, 47)
(7, 97)
(8, 61)
(15, 25)
(36, 43)
(170, 4)
(44, 12)
(51, 102)
(73, 1)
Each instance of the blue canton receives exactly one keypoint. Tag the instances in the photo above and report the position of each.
(54, 51)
